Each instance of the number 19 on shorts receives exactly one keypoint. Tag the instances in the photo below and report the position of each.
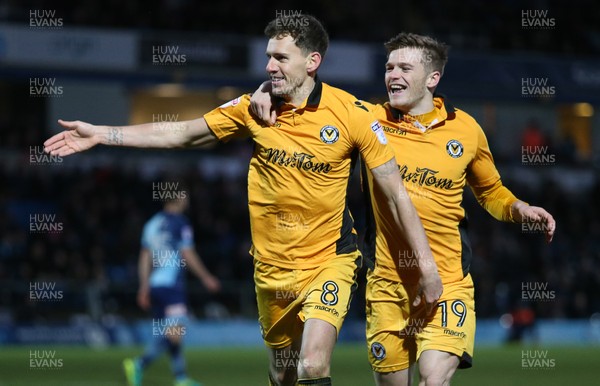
(458, 308)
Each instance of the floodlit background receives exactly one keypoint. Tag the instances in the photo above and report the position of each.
(528, 71)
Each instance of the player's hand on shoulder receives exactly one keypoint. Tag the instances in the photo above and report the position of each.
(261, 104)
(78, 136)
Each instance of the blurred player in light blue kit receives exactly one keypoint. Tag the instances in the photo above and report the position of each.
(167, 250)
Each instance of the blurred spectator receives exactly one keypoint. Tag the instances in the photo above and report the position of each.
(523, 323)
(533, 137)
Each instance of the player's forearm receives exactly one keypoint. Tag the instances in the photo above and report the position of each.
(144, 267)
(498, 201)
(147, 135)
(405, 215)
(196, 265)
(409, 224)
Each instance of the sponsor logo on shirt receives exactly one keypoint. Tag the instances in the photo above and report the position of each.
(394, 130)
(425, 177)
(297, 160)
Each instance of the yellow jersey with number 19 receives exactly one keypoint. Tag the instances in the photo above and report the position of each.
(299, 173)
(437, 154)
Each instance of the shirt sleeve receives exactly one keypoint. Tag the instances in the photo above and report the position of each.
(230, 120)
(368, 136)
(496, 199)
(482, 170)
(484, 179)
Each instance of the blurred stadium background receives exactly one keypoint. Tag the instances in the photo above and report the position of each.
(528, 71)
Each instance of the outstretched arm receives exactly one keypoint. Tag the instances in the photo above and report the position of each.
(80, 136)
(408, 222)
(504, 206)
(199, 269)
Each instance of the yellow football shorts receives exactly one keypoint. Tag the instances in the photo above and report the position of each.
(397, 332)
(287, 297)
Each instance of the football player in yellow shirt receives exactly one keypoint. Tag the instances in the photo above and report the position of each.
(303, 241)
(439, 149)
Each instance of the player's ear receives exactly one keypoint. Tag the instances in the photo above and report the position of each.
(433, 79)
(313, 61)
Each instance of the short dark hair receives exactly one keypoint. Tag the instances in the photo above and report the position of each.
(435, 53)
(308, 32)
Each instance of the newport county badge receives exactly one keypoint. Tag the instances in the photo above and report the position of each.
(329, 134)
(378, 350)
(454, 148)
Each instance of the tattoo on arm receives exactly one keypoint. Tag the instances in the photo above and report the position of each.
(386, 169)
(115, 136)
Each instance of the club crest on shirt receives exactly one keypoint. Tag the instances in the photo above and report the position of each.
(454, 148)
(329, 134)
(378, 350)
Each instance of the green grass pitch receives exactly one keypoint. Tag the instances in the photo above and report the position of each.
(73, 366)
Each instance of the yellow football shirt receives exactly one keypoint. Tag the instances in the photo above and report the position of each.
(299, 173)
(437, 154)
